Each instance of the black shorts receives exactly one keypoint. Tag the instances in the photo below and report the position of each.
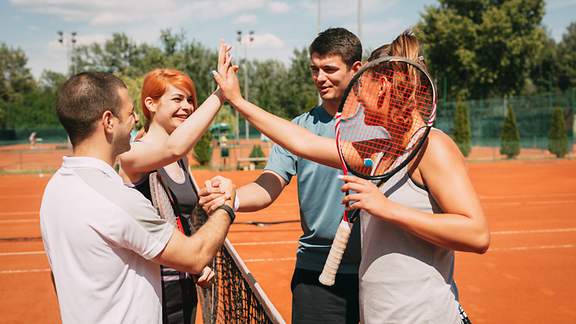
(312, 302)
(179, 301)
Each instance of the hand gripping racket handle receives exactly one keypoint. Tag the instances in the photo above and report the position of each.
(328, 275)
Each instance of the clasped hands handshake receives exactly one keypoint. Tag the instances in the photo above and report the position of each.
(217, 191)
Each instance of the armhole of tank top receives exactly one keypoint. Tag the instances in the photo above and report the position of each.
(188, 175)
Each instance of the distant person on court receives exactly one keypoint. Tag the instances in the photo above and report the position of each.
(104, 240)
(32, 140)
(335, 55)
(174, 123)
(411, 225)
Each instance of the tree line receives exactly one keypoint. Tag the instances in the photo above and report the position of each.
(474, 49)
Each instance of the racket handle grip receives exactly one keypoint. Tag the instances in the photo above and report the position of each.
(328, 275)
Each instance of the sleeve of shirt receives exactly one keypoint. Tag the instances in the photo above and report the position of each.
(137, 226)
(146, 233)
(281, 161)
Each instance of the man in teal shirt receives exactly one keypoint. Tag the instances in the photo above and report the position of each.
(335, 55)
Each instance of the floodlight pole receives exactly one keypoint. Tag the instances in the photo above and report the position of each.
(69, 44)
(247, 42)
(239, 40)
(360, 20)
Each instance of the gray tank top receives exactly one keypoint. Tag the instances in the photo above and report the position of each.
(403, 278)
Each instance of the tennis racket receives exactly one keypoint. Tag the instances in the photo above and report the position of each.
(162, 202)
(383, 120)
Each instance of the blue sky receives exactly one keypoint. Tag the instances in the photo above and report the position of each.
(279, 25)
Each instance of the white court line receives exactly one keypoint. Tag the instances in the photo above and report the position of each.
(18, 271)
(514, 232)
(552, 230)
(269, 260)
(19, 213)
(19, 196)
(22, 253)
(264, 243)
(526, 203)
(530, 248)
(28, 220)
(517, 248)
(540, 196)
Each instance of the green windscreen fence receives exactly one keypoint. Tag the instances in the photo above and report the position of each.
(533, 117)
(21, 135)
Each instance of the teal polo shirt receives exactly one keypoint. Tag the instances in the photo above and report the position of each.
(319, 197)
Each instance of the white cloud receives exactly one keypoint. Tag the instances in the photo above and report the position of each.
(267, 41)
(278, 7)
(92, 38)
(246, 20)
(112, 12)
(335, 9)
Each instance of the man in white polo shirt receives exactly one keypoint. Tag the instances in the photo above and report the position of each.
(104, 240)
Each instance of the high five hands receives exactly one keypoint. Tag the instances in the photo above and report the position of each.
(226, 76)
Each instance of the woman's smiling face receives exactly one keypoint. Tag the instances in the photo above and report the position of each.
(173, 108)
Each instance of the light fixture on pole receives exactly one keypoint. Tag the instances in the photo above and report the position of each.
(69, 44)
(239, 40)
(246, 42)
(359, 19)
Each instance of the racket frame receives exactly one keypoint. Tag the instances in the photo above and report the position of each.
(328, 275)
(357, 75)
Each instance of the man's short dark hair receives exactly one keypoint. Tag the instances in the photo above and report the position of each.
(338, 41)
(83, 99)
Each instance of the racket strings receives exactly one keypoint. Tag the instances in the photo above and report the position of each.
(396, 101)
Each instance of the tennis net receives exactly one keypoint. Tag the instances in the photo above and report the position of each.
(235, 296)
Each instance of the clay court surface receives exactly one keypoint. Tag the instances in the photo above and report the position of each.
(527, 276)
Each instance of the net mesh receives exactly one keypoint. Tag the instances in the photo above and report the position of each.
(383, 117)
(235, 297)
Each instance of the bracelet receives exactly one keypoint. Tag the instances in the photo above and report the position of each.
(229, 211)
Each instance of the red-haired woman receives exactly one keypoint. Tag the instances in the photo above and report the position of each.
(174, 124)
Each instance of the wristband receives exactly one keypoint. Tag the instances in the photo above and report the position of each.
(229, 211)
(236, 202)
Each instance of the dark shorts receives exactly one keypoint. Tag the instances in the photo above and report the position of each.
(313, 302)
(179, 301)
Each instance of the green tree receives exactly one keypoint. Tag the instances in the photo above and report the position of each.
(134, 85)
(268, 85)
(482, 48)
(462, 131)
(203, 149)
(115, 55)
(544, 73)
(51, 81)
(36, 109)
(567, 58)
(298, 91)
(257, 153)
(510, 138)
(15, 81)
(557, 138)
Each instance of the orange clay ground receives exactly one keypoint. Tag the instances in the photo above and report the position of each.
(527, 276)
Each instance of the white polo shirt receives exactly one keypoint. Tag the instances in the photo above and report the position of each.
(99, 236)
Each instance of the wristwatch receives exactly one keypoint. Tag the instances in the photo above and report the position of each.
(229, 211)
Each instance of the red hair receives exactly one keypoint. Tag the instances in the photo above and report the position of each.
(156, 82)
